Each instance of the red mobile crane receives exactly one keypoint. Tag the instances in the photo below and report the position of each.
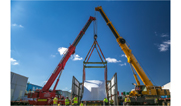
(45, 95)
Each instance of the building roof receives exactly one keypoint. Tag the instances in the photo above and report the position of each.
(35, 85)
(18, 74)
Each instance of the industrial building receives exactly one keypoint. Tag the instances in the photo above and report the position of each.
(66, 94)
(32, 87)
(18, 86)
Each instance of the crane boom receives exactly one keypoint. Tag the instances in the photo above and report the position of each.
(45, 95)
(66, 56)
(122, 43)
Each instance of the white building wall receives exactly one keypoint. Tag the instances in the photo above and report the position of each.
(18, 86)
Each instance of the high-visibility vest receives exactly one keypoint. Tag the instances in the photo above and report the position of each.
(156, 100)
(75, 100)
(127, 100)
(105, 100)
(81, 104)
(66, 102)
(55, 100)
(111, 101)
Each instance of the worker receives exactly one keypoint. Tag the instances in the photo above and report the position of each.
(75, 100)
(105, 101)
(127, 100)
(55, 101)
(67, 101)
(81, 104)
(111, 101)
(164, 103)
(60, 104)
(139, 90)
(156, 101)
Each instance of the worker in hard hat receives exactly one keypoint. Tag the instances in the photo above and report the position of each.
(127, 100)
(105, 101)
(111, 101)
(55, 101)
(75, 100)
(81, 104)
(67, 101)
(164, 103)
(156, 101)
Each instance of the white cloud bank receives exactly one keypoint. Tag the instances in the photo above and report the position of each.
(13, 61)
(75, 57)
(164, 46)
(112, 60)
(16, 25)
(62, 50)
(123, 64)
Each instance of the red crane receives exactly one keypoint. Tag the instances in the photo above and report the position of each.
(45, 95)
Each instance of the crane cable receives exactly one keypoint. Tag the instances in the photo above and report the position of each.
(95, 25)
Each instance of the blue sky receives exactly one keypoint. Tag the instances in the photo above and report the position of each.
(39, 31)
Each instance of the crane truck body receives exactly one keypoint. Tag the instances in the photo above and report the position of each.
(148, 91)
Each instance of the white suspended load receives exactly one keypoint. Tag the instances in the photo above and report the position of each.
(94, 90)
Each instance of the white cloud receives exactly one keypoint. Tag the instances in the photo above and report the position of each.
(164, 35)
(112, 60)
(70, 90)
(164, 46)
(62, 50)
(65, 88)
(44, 82)
(52, 55)
(156, 33)
(13, 61)
(16, 25)
(123, 64)
(76, 57)
(123, 55)
(21, 26)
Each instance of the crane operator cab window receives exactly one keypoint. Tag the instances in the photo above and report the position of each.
(59, 93)
(139, 89)
(144, 88)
